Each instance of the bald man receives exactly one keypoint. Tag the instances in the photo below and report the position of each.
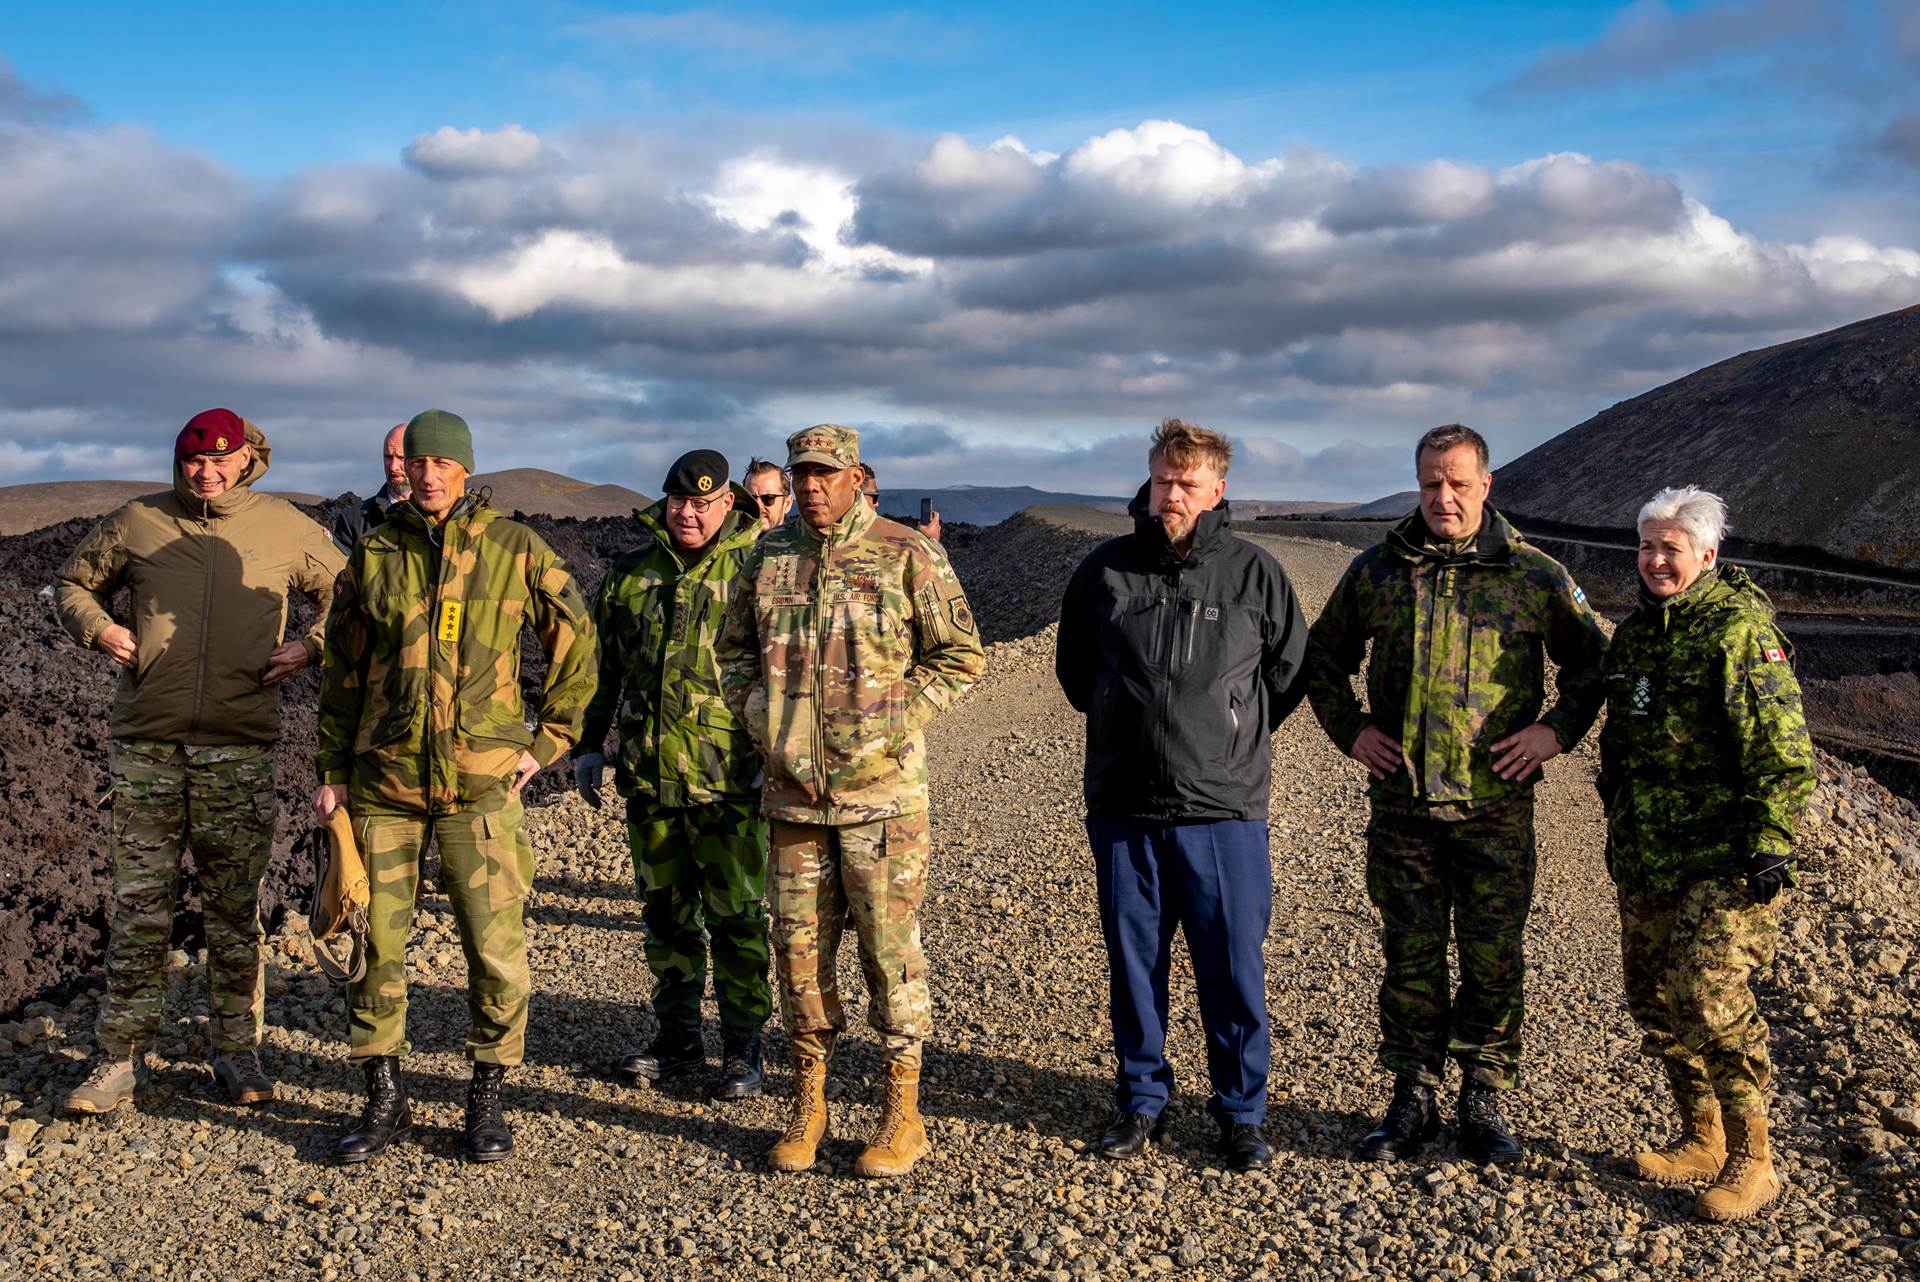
(353, 523)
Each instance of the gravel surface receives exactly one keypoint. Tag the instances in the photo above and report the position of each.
(617, 1182)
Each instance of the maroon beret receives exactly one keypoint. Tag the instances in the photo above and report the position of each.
(210, 432)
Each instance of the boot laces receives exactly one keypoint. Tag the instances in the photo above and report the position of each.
(247, 1063)
(895, 1115)
(1739, 1162)
(104, 1069)
(1482, 1110)
(484, 1098)
(1406, 1110)
(802, 1114)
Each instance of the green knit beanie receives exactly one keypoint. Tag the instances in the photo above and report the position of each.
(440, 434)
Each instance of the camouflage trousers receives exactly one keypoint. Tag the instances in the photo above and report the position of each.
(218, 802)
(877, 874)
(703, 873)
(1470, 879)
(486, 869)
(1688, 955)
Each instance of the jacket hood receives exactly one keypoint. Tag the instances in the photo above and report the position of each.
(240, 494)
(653, 519)
(1211, 532)
(1494, 543)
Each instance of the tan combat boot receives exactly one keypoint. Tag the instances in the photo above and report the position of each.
(807, 1123)
(112, 1080)
(1747, 1182)
(900, 1139)
(1694, 1157)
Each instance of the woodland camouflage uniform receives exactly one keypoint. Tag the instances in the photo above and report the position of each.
(688, 770)
(1459, 634)
(421, 718)
(1706, 765)
(194, 729)
(840, 647)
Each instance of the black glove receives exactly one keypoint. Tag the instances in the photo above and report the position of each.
(587, 768)
(1766, 874)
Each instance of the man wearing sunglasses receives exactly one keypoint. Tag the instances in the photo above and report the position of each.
(767, 483)
(688, 771)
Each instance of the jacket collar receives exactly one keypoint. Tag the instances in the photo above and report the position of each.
(744, 519)
(1211, 532)
(1493, 544)
(475, 506)
(858, 520)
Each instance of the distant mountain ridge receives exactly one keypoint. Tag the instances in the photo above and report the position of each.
(1814, 443)
(42, 503)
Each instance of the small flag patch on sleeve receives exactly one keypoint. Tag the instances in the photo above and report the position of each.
(1776, 655)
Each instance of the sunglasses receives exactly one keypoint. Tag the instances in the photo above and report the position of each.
(768, 500)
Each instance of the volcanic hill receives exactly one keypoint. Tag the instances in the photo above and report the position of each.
(1813, 443)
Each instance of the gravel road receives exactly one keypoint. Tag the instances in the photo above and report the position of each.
(617, 1182)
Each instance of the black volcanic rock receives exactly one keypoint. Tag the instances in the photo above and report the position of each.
(1813, 443)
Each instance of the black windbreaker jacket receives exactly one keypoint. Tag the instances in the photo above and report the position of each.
(1183, 668)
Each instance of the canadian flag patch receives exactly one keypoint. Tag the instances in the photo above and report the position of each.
(1776, 655)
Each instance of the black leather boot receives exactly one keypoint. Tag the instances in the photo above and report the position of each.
(1412, 1120)
(1484, 1134)
(1127, 1135)
(488, 1139)
(673, 1054)
(1242, 1148)
(388, 1114)
(743, 1076)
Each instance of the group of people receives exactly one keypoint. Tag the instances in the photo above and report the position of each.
(1184, 648)
(767, 682)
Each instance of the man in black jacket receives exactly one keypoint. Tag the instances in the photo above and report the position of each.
(1182, 645)
(371, 513)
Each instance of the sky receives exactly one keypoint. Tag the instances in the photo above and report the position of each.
(1001, 240)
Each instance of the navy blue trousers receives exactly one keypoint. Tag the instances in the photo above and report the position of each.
(1214, 882)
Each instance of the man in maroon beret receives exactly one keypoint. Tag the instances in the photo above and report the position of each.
(207, 566)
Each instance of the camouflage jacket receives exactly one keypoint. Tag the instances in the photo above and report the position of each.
(659, 619)
(421, 709)
(839, 648)
(1705, 762)
(1456, 663)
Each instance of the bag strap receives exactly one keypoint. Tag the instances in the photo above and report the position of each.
(354, 969)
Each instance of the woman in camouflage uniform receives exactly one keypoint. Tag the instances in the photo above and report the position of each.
(1705, 769)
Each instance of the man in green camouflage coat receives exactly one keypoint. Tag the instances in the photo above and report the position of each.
(423, 736)
(1705, 767)
(846, 635)
(207, 568)
(1459, 610)
(688, 770)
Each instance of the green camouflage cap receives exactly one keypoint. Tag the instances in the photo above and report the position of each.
(826, 443)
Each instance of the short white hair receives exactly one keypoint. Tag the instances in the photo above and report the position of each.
(1701, 514)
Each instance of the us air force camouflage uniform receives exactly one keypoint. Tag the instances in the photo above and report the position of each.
(421, 718)
(689, 772)
(1458, 636)
(840, 647)
(1706, 765)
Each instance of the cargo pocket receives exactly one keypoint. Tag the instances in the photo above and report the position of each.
(508, 855)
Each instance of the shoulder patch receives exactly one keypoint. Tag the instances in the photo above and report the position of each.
(1579, 594)
(962, 614)
(1776, 655)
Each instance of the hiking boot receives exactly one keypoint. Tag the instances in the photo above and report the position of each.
(742, 1075)
(488, 1139)
(1748, 1181)
(386, 1117)
(111, 1080)
(246, 1081)
(1484, 1133)
(672, 1054)
(1127, 1135)
(797, 1148)
(900, 1139)
(1411, 1123)
(1695, 1156)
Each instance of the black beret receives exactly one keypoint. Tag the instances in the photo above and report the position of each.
(697, 473)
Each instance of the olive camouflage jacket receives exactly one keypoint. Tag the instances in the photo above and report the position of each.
(421, 708)
(1456, 665)
(659, 619)
(839, 648)
(1705, 761)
